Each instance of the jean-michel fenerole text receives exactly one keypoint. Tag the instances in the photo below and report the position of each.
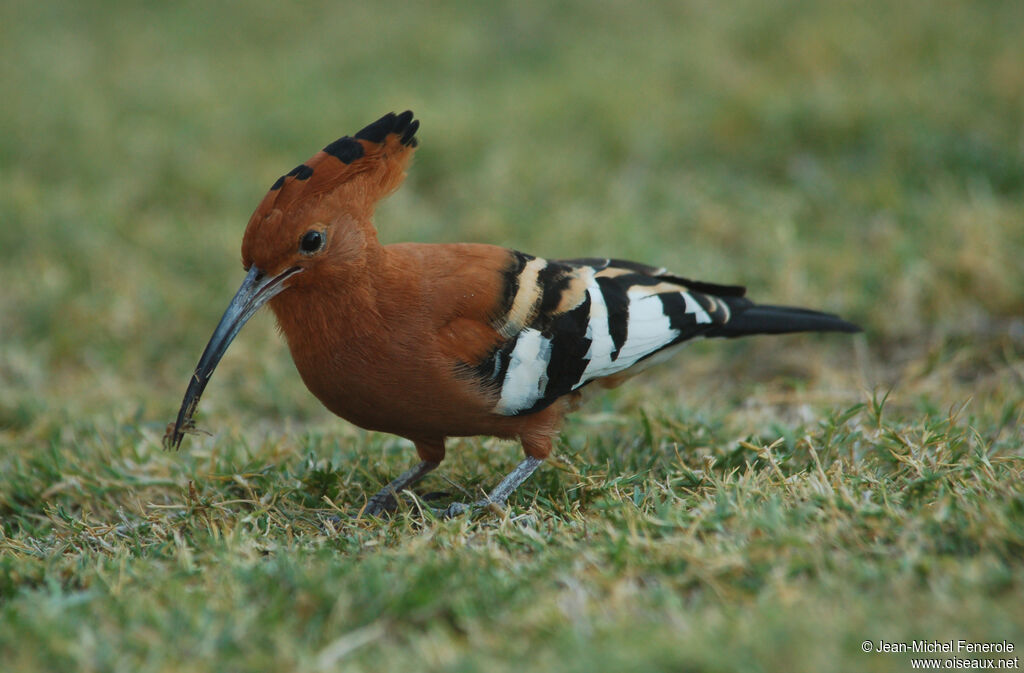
(952, 646)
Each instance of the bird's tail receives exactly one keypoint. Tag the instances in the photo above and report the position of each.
(749, 318)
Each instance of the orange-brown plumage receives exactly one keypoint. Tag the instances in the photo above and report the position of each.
(436, 341)
(395, 330)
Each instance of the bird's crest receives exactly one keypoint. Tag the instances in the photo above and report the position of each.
(352, 173)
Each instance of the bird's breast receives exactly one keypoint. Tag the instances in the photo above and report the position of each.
(394, 385)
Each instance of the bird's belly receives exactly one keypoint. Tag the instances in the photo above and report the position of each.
(406, 402)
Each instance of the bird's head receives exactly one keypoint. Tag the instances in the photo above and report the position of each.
(314, 222)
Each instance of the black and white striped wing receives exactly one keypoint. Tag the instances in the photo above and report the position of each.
(567, 323)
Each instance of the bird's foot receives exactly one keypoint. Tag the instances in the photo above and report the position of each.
(385, 500)
(496, 500)
(459, 508)
(380, 504)
(453, 510)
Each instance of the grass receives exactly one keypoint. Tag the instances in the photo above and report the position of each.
(759, 505)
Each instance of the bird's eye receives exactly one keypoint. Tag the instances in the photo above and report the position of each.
(311, 242)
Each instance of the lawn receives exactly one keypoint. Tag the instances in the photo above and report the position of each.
(760, 505)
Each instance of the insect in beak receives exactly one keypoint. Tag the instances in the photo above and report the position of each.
(256, 290)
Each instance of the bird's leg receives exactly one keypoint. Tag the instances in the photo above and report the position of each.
(431, 453)
(501, 492)
(385, 501)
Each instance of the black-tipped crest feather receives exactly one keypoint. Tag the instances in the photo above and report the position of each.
(401, 124)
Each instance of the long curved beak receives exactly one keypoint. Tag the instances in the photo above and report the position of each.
(256, 290)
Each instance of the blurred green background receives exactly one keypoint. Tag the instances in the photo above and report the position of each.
(865, 158)
(861, 158)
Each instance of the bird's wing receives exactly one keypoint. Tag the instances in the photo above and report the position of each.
(562, 324)
(356, 171)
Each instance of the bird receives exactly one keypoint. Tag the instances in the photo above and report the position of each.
(435, 341)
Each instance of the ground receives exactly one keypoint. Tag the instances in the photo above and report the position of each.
(761, 505)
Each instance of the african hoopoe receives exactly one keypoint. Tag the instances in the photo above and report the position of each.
(436, 341)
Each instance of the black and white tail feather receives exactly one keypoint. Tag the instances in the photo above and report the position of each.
(566, 323)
